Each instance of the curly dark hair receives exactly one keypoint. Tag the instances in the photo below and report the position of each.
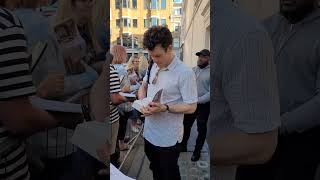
(157, 35)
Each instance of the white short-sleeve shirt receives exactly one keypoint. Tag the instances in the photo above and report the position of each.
(179, 86)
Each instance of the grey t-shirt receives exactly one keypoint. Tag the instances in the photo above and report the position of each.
(244, 92)
(297, 57)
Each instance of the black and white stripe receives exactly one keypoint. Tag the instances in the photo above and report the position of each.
(15, 81)
(114, 88)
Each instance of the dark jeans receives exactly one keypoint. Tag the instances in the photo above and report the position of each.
(58, 169)
(202, 115)
(123, 123)
(296, 158)
(163, 161)
(85, 167)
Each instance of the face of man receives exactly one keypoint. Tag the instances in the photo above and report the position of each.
(296, 6)
(160, 56)
(203, 61)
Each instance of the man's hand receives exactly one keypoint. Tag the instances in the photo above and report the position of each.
(153, 108)
(145, 112)
(104, 155)
(157, 107)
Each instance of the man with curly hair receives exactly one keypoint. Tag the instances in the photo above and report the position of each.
(164, 120)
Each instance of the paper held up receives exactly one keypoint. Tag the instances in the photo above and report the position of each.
(56, 106)
(138, 104)
(91, 136)
(129, 95)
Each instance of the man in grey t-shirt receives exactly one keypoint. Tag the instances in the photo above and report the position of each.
(244, 93)
(293, 32)
(202, 72)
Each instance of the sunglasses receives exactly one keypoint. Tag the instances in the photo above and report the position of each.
(154, 81)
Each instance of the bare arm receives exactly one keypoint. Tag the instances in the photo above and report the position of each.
(117, 99)
(242, 148)
(142, 92)
(20, 117)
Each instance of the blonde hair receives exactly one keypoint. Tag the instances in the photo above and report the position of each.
(130, 63)
(65, 12)
(119, 54)
(143, 63)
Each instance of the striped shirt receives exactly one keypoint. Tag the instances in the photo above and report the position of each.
(244, 96)
(15, 81)
(114, 88)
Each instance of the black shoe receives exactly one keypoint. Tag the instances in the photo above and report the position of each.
(195, 156)
(181, 148)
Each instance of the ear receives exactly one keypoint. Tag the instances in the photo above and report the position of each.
(170, 48)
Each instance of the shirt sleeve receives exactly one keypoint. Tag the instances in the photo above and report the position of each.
(306, 116)
(114, 81)
(188, 87)
(15, 76)
(205, 98)
(249, 84)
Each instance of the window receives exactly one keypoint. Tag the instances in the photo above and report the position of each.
(177, 11)
(154, 4)
(118, 23)
(163, 4)
(145, 4)
(126, 22)
(134, 4)
(163, 22)
(135, 23)
(178, 1)
(127, 41)
(176, 43)
(154, 21)
(118, 4)
(145, 23)
(177, 28)
(126, 3)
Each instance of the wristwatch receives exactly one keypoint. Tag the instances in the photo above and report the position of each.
(167, 107)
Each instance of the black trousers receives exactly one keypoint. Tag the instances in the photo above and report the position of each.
(201, 114)
(122, 126)
(163, 161)
(296, 158)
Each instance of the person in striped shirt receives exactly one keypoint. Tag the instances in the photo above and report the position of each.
(116, 99)
(18, 117)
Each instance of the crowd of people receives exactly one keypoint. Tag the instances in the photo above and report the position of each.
(35, 144)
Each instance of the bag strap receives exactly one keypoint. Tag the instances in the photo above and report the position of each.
(149, 71)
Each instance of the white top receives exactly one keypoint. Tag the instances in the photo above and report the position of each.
(179, 86)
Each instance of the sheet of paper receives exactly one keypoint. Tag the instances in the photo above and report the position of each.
(116, 174)
(138, 104)
(91, 136)
(58, 106)
(127, 95)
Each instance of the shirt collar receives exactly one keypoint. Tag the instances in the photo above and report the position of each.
(172, 65)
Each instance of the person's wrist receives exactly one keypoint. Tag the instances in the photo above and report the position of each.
(163, 108)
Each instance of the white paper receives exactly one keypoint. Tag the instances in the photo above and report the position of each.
(127, 95)
(116, 174)
(91, 136)
(58, 106)
(138, 104)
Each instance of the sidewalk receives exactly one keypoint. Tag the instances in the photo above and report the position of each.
(138, 166)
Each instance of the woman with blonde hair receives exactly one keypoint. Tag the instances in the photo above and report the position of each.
(143, 66)
(83, 12)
